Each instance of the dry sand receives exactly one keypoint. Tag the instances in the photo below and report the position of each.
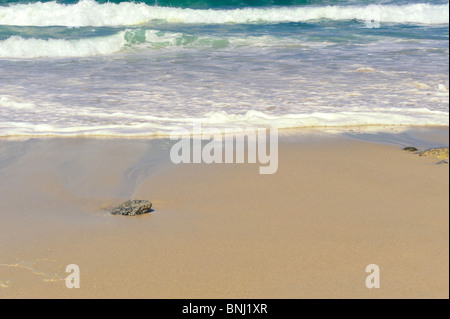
(335, 205)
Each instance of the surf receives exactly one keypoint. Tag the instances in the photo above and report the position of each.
(92, 13)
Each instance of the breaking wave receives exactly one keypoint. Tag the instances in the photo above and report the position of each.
(91, 13)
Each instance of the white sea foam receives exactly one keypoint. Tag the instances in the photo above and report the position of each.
(224, 122)
(11, 103)
(91, 13)
(19, 47)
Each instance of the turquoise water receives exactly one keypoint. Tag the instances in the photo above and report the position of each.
(145, 68)
(236, 3)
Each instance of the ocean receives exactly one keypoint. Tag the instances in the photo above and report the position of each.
(146, 68)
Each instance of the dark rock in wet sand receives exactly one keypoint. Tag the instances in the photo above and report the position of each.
(133, 208)
(410, 149)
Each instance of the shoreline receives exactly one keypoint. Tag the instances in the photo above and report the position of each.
(336, 204)
(371, 128)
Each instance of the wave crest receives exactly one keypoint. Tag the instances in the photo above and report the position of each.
(19, 47)
(91, 13)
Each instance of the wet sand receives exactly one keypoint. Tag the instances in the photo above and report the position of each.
(337, 203)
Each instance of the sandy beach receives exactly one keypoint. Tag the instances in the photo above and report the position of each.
(272, 149)
(337, 203)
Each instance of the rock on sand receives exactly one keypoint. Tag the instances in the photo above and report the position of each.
(133, 208)
(439, 153)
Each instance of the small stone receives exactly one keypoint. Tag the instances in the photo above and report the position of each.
(133, 208)
(443, 162)
(438, 153)
(410, 149)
